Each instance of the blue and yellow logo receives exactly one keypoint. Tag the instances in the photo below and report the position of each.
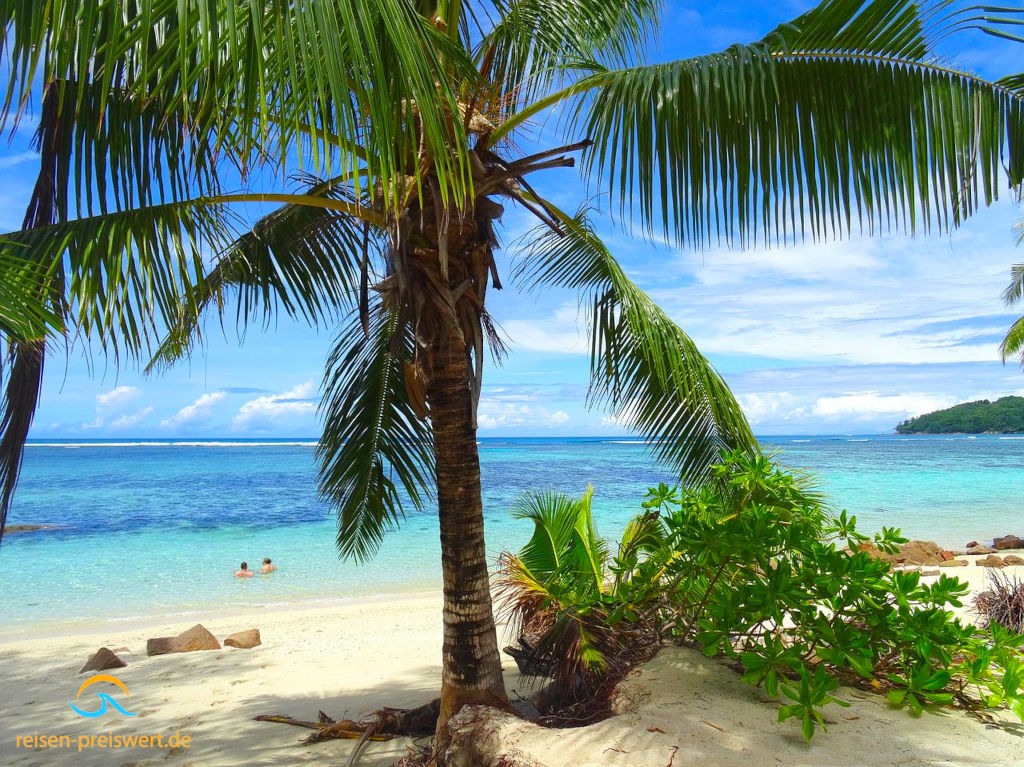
(102, 696)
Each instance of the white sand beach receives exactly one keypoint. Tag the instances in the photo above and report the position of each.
(351, 658)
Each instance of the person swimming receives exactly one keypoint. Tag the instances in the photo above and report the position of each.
(268, 566)
(244, 572)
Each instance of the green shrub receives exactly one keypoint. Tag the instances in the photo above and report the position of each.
(754, 567)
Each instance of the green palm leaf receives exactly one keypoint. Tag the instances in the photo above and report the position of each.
(250, 82)
(839, 121)
(533, 39)
(373, 446)
(644, 369)
(553, 514)
(744, 145)
(25, 309)
(565, 557)
(1013, 344)
(125, 274)
(906, 29)
(300, 259)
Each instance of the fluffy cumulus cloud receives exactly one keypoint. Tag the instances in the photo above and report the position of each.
(110, 406)
(117, 397)
(870, 404)
(293, 408)
(563, 332)
(196, 413)
(131, 420)
(495, 415)
(864, 301)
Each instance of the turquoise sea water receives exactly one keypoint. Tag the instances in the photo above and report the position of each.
(157, 528)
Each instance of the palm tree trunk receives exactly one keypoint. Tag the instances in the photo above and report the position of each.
(47, 205)
(471, 664)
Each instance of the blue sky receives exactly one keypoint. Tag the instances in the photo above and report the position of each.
(847, 337)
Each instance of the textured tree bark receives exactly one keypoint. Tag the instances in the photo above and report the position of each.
(47, 205)
(471, 663)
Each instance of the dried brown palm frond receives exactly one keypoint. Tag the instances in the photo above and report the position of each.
(1003, 602)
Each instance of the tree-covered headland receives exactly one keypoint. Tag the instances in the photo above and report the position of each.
(1004, 416)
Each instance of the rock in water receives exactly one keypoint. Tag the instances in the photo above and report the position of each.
(1008, 542)
(27, 528)
(102, 659)
(244, 639)
(195, 638)
(990, 561)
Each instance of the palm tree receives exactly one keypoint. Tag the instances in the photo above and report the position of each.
(412, 117)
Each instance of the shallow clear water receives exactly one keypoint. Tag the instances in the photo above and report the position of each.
(158, 528)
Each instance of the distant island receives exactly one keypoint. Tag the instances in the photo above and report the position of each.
(1004, 416)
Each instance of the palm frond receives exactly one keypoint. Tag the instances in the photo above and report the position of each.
(1013, 344)
(844, 124)
(644, 533)
(588, 551)
(25, 304)
(252, 82)
(300, 259)
(1013, 292)
(644, 369)
(126, 274)
(533, 39)
(554, 516)
(374, 448)
(905, 29)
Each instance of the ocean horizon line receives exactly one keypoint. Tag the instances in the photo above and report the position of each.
(217, 441)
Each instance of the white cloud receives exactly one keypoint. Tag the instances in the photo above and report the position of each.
(128, 421)
(863, 398)
(562, 333)
(893, 299)
(872, 404)
(276, 409)
(804, 262)
(117, 397)
(21, 158)
(109, 404)
(197, 411)
(760, 407)
(496, 415)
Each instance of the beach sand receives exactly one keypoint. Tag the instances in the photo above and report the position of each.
(350, 658)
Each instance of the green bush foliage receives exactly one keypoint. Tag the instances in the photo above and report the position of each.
(754, 567)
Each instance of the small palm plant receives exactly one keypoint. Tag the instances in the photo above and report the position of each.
(573, 604)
